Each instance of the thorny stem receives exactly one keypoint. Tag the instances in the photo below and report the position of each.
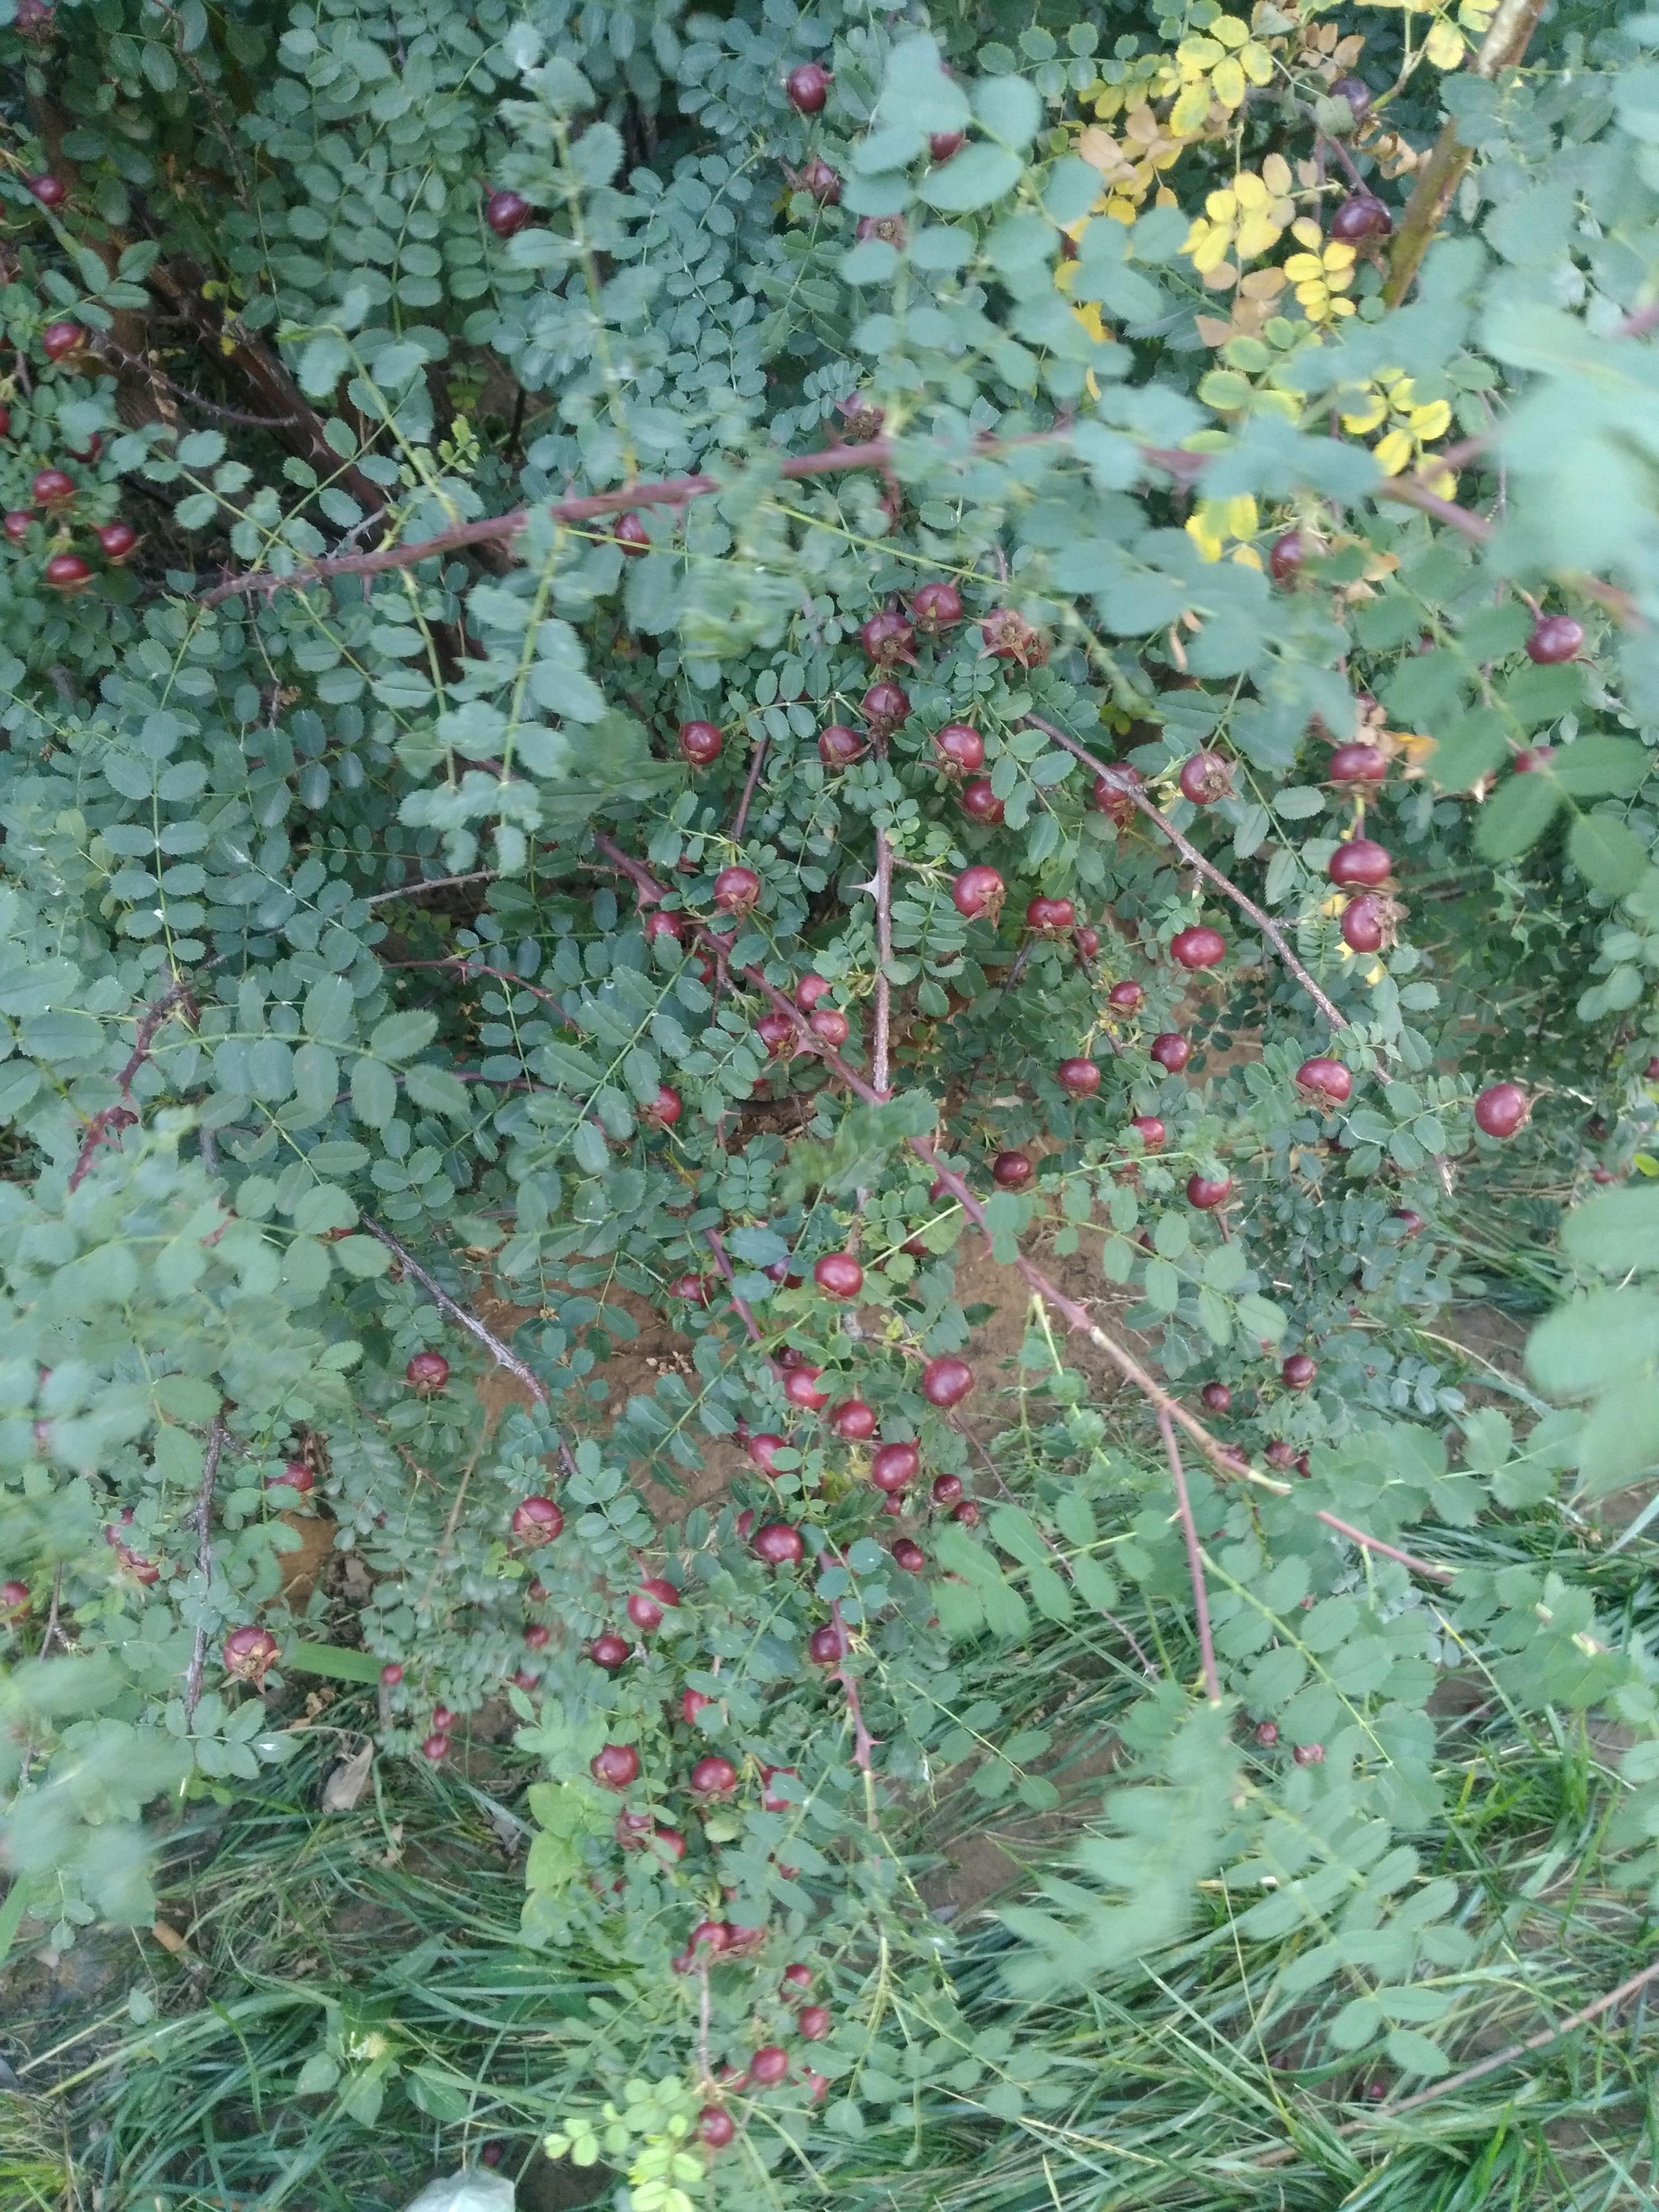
(863, 1743)
(1076, 1317)
(149, 1023)
(1195, 1559)
(1206, 868)
(744, 1310)
(755, 761)
(432, 883)
(1389, 1550)
(203, 1518)
(879, 1069)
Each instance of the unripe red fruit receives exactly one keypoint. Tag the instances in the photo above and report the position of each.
(1361, 863)
(67, 572)
(1206, 778)
(822, 182)
(946, 1381)
(1081, 1077)
(814, 2022)
(1112, 788)
(1364, 929)
(1279, 1454)
(1362, 215)
(1199, 947)
(713, 1777)
(664, 1109)
(1556, 637)
(779, 1545)
(853, 1420)
(936, 608)
(657, 923)
(295, 1475)
(1310, 1755)
(428, 1371)
(1053, 916)
(250, 1653)
(829, 1026)
(616, 1767)
(1150, 1131)
(1502, 1109)
(736, 889)
(1285, 556)
(16, 524)
(777, 1033)
(838, 1275)
(960, 748)
(14, 1601)
(536, 1520)
(1325, 1079)
(50, 190)
(941, 144)
(884, 706)
(506, 212)
(435, 1746)
(768, 2066)
(1126, 997)
(763, 1450)
(1298, 1372)
(823, 1647)
(1267, 1733)
(978, 891)
(838, 746)
(1359, 764)
(946, 1489)
(716, 2128)
(909, 1556)
(631, 534)
(801, 1388)
(608, 1651)
(807, 87)
(894, 1466)
(1170, 1051)
(443, 1719)
(1206, 1192)
(117, 540)
(1012, 1171)
(887, 638)
(980, 804)
(59, 338)
(700, 743)
(648, 1604)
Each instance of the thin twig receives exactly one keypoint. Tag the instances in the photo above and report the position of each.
(1206, 868)
(432, 883)
(204, 1517)
(470, 967)
(863, 1743)
(491, 1343)
(744, 1311)
(1194, 1560)
(53, 1630)
(754, 760)
(150, 1024)
(881, 1047)
(1389, 1550)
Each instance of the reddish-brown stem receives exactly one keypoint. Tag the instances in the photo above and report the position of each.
(203, 1518)
(863, 1743)
(881, 1045)
(755, 761)
(1208, 869)
(744, 1311)
(149, 1023)
(1195, 1559)
(1389, 1550)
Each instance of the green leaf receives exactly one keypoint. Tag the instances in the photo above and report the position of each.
(1617, 1232)
(1512, 821)
(323, 363)
(374, 1092)
(1597, 766)
(1475, 745)
(401, 1035)
(972, 178)
(333, 1659)
(1611, 857)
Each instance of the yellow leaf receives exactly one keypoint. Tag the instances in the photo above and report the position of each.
(1257, 63)
(1250, 192)
(1339, 255)
(1365, 418)
(1276, 176)
(1229, 30)
(1186, 117)
(1444, 44)
(1228, 80)
(1247, 556)
(1432, 420)
(1203, 535)
(1393, 451)
(1242, 521)
(1199, 54)
(1303, 268)
(1221, 207)
(1305, 228)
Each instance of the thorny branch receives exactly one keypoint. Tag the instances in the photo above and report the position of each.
(1195, 1559)
(754, 760)
(203, 1518)
(432, 883)
(120, 1116)
(880, 1070)
(863, 1743)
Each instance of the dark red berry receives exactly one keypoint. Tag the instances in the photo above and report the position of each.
(807, 87)
(506, 212)
(428, 1371)
(1267, 1733)
(823, 1647)
(692, 1704)
(887, 639)
(1298, 1372)
(1359, 764)
(1079, 1077)
(251, 1653)
(1170, 1051)
(1206, 778)
(946, 1489)
(664, 1109)
(391, 1675)
(1285, 556)
(1358, 94)
(967, 1513)
(1086, 939)
(715, 2127)
(1012, 1171)
(936, 608)
(777, 1033)
(884, 706)
(1126, 997)
(537, 1636)
(1502, 1109)
(838, 746)
(117, 540)
(809, 989)
(946, 1381)
(51, 191)
(295, 1475)
(1199, 947)
(700, 743)
(768, 2066)
(1052, 917)
(60, 338)
(608, 1651)
(1360, 865)
(763, 1450)
(435, 1746)
(1150, 1131)
(1206, 1192)
(908, 1555)
(801, 1388)
(736, 889)
(829, 1026)
(778, 1544)
(960, 748)
(90, 453)
(1411, 1224)
(1554, 638)
(713, 1777)
(1008, 635)
(814, 2022)
(631, 534)
(16, 524)
(616, 1767)
(853, 1420)
(1530, 759)
(1218, 1397)
(820, 182)
(980, 802)
(1310, 1755)
(536, 1520)
(1114, 793)
(1362, 215)
(941, 144)
(52, 487)
(895, 1466)
(978, 892)
(1325, 1079)
(1364, 925)
(838, 1275)
(67, 572)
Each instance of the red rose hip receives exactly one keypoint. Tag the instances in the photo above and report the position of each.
(946, 1381)
(1081, 1077)
(1502, 1109)
(616, 1767)
(428, 1371)
(1199, 947)
(1554, 638)
(506, 212)
(700, 743)
(1207, 1192)
(960, 748)
(838, 1275)
(978, 892)
(1360, 865)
